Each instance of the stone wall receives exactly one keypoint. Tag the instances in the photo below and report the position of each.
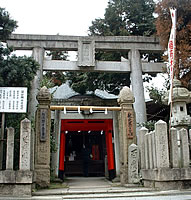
(164, 163)
(18, 183)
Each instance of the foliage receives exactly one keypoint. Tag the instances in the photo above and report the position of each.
(156, 94)
(150, 125)
(122, 18)
(183, 35)
(14, 72)
(126, 17)
(17, 71)
(50, 79)
(7, 25)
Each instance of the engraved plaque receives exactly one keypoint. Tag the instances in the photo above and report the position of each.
(86, 53)
(43, 122)
(130, 125)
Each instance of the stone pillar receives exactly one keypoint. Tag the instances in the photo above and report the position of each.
(142, 132)
(154, 150)
(116, 140)
(146, 144)
(25, 145)
(127, 130)
(137, 86)
(150, 151)
(174, 148)
(184, 148)
(133, 160)
(161, 139)
(42, 138)
(38, 55)
(56, 135)
(10, 148)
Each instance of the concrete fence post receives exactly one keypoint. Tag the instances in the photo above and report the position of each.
(161, 139)
(142, 132)
(174, 148)
(25, 145)
(184, 148)
(10, 148)
(133, 160)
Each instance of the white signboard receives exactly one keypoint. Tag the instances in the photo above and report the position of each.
(13, 99)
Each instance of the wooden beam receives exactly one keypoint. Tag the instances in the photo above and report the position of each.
(90, 108)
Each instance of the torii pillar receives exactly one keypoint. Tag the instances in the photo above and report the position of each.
(137, 86)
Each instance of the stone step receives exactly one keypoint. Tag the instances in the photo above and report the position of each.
(92, 191)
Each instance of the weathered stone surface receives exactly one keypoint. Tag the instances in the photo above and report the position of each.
(42, 147)
(126, 96)
(7, 176)
(25, 145)
(13, 190)
(174, 148)
(42, 177)
(141, 136)
(10, 148)
(38, 55)
(146, 151)
(137, 86)
(166, 179)
(86, 52)
(161, 139)
(127, 132)
(154, 150)
(167, 174)
(24, 176)
(150, 151)
(184, 148)
(133, 159)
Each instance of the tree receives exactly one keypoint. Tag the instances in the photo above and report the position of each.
(122, 18)
(183, 34)
(14, 71)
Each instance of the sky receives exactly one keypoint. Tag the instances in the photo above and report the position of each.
(63, 17)
(51, 17)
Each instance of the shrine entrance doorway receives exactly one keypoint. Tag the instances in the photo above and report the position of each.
(94, 135)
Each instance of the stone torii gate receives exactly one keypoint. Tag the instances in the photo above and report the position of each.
(86, 47)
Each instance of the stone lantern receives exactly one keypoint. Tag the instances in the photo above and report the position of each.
(181, 97)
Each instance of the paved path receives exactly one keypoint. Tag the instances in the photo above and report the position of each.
(80, 188)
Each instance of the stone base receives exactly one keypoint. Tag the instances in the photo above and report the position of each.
(42, 178)
(168, 185)
(16, 183)
(15, 190)
(167, 179)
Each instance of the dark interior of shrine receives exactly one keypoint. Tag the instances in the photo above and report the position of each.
(79, 141)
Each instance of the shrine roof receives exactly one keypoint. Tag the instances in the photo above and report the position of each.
(65, 92)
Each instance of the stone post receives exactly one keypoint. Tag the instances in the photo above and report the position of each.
(116, 140)
(25, 145)
(137, 86)
(42, 138)
(150, 150)
(161, 139)
(56, 134)
(142, 132)
(154, 150)
(10, 148)
(174, 148)
(133, 160)
(146, 144)
(184, 148)
(126, 130)
(38, 55)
